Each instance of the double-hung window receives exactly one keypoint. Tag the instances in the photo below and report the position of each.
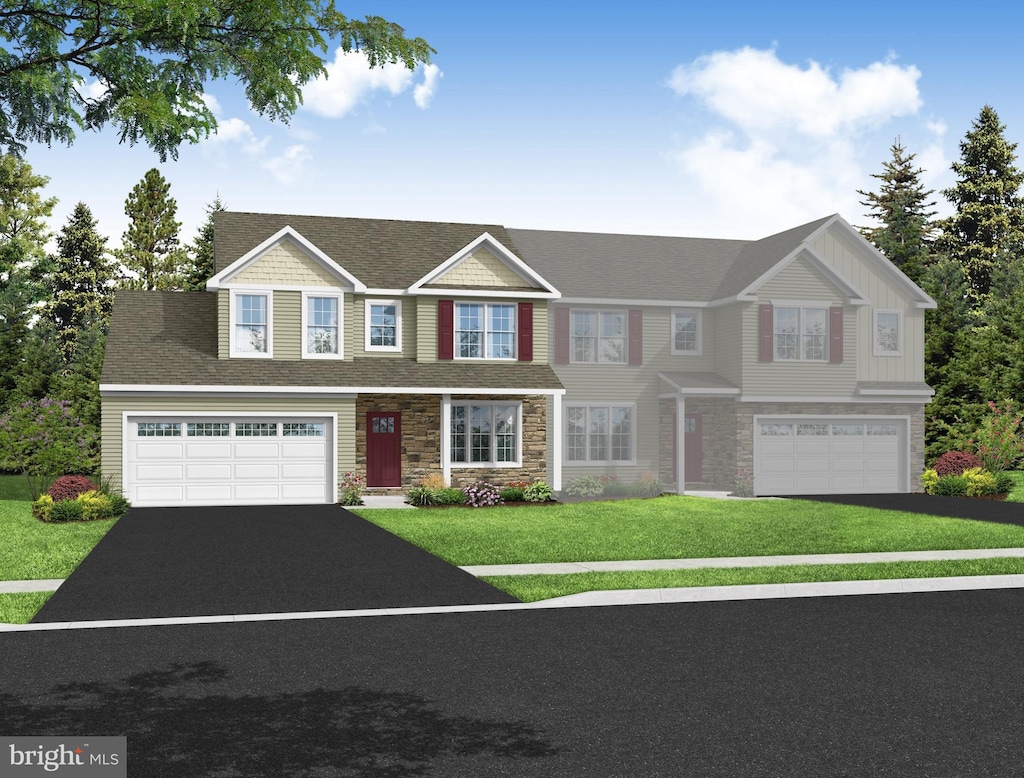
(598, 336)
(383, 325)
(801, 333)
(321, 325)
(686, 332)
(599, 434)
(250, 330)
(887, 334)
(485, 331)
(484, 433)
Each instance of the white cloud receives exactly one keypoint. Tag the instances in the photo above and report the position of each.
(350, 80)
(424, 93)
(94, 90)
(791, 141)
(287, 167)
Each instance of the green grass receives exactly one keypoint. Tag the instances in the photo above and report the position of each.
(32, 550)
(19, 608)
(13, 487)
(532, 588)
(674, 527)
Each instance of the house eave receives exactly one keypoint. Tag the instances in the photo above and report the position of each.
(340, 392)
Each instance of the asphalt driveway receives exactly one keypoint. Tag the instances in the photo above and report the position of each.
(951, 507)
(166, 562)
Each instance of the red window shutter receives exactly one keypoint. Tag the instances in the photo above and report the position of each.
(835, 335)
(525, 332)
(766, 333)
(636, 337)
(561, 336)
(445, 329)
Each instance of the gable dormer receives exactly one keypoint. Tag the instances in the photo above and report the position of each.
(283, 299)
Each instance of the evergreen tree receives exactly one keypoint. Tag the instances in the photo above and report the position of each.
(200, 268)
(80, 280)
(988, 224)
(151, 254)
(902, 209)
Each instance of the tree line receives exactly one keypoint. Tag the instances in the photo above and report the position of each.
(972, 265)
(55, 305)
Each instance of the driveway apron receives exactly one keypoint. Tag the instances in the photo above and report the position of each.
(166, 562)
(933, 505)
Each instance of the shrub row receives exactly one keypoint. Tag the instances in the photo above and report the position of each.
(972, 482)
(85, 506)
(432, 491)
(591, 487)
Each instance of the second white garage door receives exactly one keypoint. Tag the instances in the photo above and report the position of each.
(829, 455)
(207, 461)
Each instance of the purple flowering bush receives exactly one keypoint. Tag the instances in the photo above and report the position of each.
(482, 494)
(43, 439)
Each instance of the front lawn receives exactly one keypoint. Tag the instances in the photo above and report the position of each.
(32, 550)
(678, 527)
(20, 607)
(13, 487)
(532, 588)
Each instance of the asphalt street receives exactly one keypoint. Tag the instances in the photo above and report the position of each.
(880, 685)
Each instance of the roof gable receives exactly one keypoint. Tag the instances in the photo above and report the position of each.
(286, 254)
(485, 264)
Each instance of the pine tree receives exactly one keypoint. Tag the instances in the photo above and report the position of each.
(200, 269)
(902, 209)
(988, 224)
(151, 254)
(80, 280)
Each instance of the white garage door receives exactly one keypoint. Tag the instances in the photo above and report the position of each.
(207, 461)
(829, 455)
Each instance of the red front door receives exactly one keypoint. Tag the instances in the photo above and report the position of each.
(383, 448)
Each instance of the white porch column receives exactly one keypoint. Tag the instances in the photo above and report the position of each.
(680, 444)
(556, 442)
(446, 438)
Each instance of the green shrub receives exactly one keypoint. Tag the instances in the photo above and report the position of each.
(420, 495)
(119, 504)
(450, 495)
(1004, 482)
(647, 486)
(537, 492)
(951, 486)
(67, 510)
(616, 489)
(584, 486)
(512, 494)
(95, 506)
(929, 480)
(979, 482)
(41, 508)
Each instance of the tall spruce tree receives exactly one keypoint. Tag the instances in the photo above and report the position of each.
(903, 211)
(80, 281)
(200, 269)
(988, 225)
(150, 251)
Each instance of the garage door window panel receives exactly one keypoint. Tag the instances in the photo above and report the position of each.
(208, 429)
(147, 429)
(255, 430)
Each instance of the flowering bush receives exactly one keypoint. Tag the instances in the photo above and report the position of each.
(647, 485)
(42, 439)
(351, 490)
(68, 487)
(955, 462)
(481, 494)
(744, 483)
(998, 440)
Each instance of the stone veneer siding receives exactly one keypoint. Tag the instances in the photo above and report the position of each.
(728, 434)
(421, 438)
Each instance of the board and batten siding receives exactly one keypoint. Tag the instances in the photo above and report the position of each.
(849, 260)
(113, 409)
(286, 265)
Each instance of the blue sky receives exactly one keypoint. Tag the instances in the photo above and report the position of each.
(732, 120)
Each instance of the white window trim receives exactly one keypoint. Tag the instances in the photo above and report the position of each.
(398, 326)
(519, 435)
(595, 462)
(597, 352)
(232, 315)
(486, 305)
(700, 334)
(340, 297)
(878, 352)
(801, 307)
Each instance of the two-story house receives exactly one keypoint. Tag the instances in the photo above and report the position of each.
(398, 349)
